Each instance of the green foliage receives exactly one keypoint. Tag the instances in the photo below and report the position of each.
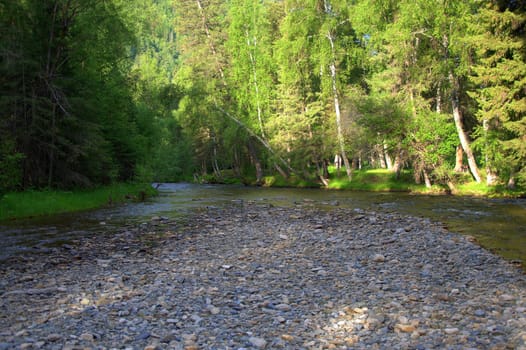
(93, 92)
(10, 168)
(500, 77)
(433, 139)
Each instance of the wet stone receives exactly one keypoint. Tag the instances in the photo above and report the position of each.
(253, 276)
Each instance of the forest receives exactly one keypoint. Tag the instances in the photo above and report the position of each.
(96, 92)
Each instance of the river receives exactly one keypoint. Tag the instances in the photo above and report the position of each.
(497, 224)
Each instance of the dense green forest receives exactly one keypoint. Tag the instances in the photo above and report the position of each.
(101, 91)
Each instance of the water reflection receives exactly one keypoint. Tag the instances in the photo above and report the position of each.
(498, 224)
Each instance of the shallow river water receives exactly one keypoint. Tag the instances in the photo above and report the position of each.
(497, 224)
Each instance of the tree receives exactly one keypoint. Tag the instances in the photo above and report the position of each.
(499, 76)
(67, 102)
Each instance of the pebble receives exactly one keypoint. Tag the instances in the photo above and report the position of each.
(378, 258)
(253, 276)
(87, 337)
(451, 330)
(258, 342)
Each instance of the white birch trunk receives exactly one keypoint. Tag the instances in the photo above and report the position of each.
(339, 127)
(457, 115)
(464, 141)
(256, 87)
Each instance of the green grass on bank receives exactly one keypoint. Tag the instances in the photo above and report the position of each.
(376, 180)
(482, 190)
(17, 205)
(293, 181)
(383, 180)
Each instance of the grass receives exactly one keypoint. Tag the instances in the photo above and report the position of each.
(292, 181)
(376, 180)
(18, 205)
(383, 180)
(482, 190)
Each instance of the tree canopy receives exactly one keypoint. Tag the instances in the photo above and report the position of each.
(94, 91)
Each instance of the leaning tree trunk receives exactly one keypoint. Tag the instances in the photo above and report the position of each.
(464, 140)
(262, 138)
(457, 115)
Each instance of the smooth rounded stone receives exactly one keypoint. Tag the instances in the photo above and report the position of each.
(87, 337)
(451, 330)
(283, 307)
(259, 343)
(506, 298)
(53, 337)
(287, 337)
(213, 309)
(143, 335)
(406, 328)
(378, 258)
(479, 313)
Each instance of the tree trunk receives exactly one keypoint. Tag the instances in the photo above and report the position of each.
(339, 127)
(511, 182)
(323, 173)
(381, 157)
(215, 165)
(459, 160)
(281, 171)
(237, 164)
(457, 115)
(427, 180)
(464, 140)
(256, 162)
(257, 137)
(388, 160)
(491, 175)
(438, 101)
(256, 87)
(210, 41)
(397, 166)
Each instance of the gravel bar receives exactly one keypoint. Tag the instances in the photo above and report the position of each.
(254, 276)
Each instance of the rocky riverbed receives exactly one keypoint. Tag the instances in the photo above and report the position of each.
(254, 276)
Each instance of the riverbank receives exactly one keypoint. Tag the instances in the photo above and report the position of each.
(256, 276)
(380, 180)
(18, 205)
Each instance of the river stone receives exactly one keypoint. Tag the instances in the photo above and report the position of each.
(258, 342)
(53, 337)
(378, 258)
(87, 337)
(480, 313)
(406, 328)
(451, 330)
